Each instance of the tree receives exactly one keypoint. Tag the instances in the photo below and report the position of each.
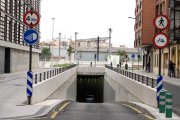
(69, 52)
(45, 54)
(121, 53)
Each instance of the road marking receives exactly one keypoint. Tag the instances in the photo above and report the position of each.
(139, 112)
(54, 114)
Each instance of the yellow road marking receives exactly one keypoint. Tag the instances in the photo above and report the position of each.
(62, 107)
(54, 114)
(139, 112)
(149, 117)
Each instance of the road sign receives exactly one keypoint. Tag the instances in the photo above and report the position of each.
(31, 18)
(161, 22)
(161, 40)
(133, 56)
(31, 36)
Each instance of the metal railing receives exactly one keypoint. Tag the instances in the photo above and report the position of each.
(37, 78)
(149, 81)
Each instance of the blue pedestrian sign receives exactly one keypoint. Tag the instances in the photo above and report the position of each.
(31, 36)
(133, 55)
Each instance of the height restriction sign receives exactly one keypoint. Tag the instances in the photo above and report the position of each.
(161, 22)
(31, 18)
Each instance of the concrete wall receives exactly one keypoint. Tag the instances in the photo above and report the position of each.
(67, 90)
(46, 88)
(109, 93)
(20, 60)
(2, 55)
(90, 70)
(130, 90)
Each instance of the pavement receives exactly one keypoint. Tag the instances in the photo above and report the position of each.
(171, 80)
(154, 111)
(13, 98)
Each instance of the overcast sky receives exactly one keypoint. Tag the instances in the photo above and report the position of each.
(90, 18)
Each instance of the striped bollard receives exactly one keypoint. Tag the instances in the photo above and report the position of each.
(162, 101)
(29, 89)
(168, 105)
(159, 87)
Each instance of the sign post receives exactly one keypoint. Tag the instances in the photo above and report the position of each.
(31, 36)
(132, 56)
(160, 40)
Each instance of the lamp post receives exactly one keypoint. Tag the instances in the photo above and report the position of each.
(59, 46)
(53, 28)
(110, 31)
(52, 36)
(75, 52)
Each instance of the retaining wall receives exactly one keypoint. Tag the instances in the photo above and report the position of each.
(46, 88)
(127, 89)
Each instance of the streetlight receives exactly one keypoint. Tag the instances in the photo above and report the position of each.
(53, 28)
(138, 48)
(59, 45)
(110, 31)
(131, 17)
(75, 51)
(52, 37)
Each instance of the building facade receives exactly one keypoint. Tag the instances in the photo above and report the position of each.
(14, 52)
(144, 30)
(149, 10)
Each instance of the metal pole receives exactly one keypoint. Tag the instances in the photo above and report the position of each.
(30, 64)
(53, 28)
(159, 62)
(75, 52)
(52, 36)
(98, 48)
(138, 58)
(59, 46)
(110, 31)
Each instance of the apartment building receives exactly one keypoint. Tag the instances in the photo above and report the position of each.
(14, 52)
(174, 34)
(144, 30)
(145, 12)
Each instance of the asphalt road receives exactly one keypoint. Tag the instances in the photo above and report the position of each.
(176, 96)
(98, 111)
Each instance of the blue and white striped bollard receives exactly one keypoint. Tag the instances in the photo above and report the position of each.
(159, 86)
(29, 90)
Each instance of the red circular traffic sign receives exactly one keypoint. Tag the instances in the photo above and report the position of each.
(161, 40)
(161, 22)
(31, 18)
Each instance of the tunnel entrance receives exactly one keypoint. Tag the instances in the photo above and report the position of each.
(90, 88)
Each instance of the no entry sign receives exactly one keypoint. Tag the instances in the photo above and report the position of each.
(31, 18)
(161, 40)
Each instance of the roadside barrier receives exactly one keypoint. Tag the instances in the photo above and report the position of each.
(159, 86)
(149, 81)
(168, 105)
(162, 101)
(49, 74)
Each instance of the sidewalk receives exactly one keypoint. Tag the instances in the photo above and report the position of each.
(173, 81)
(13, 97)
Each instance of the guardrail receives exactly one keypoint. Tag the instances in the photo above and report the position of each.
(149, 81)
(49, 74)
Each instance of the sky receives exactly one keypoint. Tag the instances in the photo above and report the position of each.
(90, 18)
